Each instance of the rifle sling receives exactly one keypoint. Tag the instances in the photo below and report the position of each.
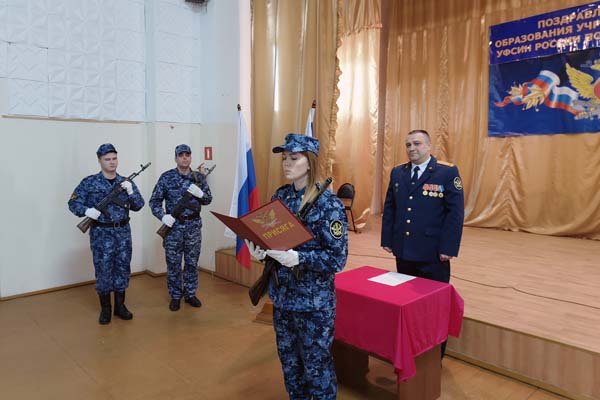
(121, 203)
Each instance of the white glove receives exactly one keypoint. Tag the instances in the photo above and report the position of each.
(126, 185)
(168, 220)
(92, 213)
(256, 252)
(287, 258)
(195, 191)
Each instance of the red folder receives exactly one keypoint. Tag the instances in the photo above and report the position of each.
(272, 227)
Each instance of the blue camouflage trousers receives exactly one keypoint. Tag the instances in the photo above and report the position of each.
(184, 241)
(111, 253)
(304, 346)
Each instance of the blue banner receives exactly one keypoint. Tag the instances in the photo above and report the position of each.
(557, 94)
(563, 31)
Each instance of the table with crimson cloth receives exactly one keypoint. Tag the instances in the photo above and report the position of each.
(403, 324)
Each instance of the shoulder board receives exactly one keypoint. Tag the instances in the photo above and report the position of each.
(447, 164)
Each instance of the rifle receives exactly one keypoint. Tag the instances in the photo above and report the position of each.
(260, 287)
(164, 230)
(111, 197)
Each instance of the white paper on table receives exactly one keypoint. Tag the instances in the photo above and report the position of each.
(391, 278)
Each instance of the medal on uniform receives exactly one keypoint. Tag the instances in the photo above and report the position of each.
(435, 194)
(425, 189)
(441, 195)
(430, 194)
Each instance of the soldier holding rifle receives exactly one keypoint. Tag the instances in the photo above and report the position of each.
(110, 234)
(185, 237)
(304, 304)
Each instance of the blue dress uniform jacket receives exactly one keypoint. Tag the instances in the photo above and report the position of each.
(320, 258)
(425, 219)
(184, 241)
(111, 245)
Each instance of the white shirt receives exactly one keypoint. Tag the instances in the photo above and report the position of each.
(422, 168)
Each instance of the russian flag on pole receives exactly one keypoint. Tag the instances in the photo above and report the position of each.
(245, 193)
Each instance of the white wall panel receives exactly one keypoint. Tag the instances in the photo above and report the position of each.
(27, 97)
(3, 59)
(79, 47)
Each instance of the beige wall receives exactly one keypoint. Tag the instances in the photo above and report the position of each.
(41, 162)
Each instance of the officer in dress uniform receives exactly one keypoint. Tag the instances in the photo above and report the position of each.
(185, 238)
(304, 307)
(423, 212)
(110, 235)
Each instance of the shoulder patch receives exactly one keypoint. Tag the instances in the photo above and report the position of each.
(457, 183)
(336, 228)
(74, 196)
(447, 164)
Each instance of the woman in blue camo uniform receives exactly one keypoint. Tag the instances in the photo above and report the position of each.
(110, 235)
(304, 308)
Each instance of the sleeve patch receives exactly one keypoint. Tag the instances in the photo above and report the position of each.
(336, 228)
(458, 183)
(74, 196)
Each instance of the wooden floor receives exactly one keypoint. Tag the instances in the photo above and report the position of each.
(498, 272)
(51, 347)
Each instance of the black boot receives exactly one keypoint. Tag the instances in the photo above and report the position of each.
(174, 304)
(120, 310)
(193, 301)
(105, 310)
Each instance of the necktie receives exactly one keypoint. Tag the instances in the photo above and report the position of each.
(415, 176)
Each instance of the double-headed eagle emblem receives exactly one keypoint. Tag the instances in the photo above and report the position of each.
(588, 88)
(266, 219)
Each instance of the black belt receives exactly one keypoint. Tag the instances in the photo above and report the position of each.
(117, 224)
(195, 215)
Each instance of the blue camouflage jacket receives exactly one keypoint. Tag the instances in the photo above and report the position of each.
(94, 188)
(319, 258)
(172, 186)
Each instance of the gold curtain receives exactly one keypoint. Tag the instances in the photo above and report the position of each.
(294, 46)
(356, 136)
(437, 79)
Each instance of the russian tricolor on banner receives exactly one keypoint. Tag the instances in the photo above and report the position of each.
(245, 193)
(555, 96)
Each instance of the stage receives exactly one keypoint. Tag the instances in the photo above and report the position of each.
(532, 309)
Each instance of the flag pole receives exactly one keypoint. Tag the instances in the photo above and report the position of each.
(245, 194)
(310, 130)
